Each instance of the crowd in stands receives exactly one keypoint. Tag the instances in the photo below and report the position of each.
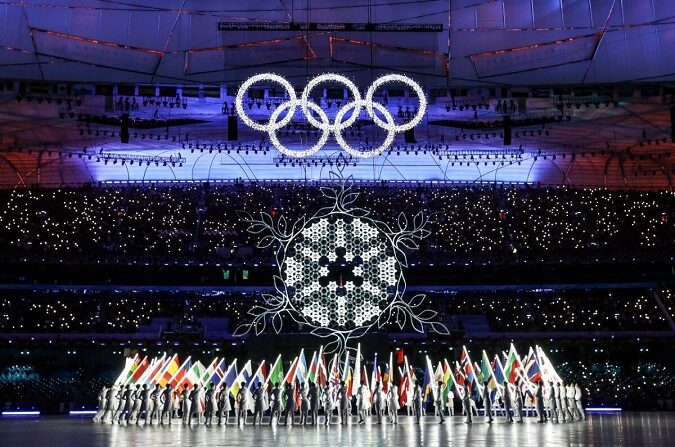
(478, 224)
(101, 312)
(567, 310)
(111, 311)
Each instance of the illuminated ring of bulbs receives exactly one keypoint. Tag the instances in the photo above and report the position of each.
(275, 125)
(326, 127)
(389, 127)
(239, 101)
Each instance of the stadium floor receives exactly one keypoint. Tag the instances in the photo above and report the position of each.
(627, 429)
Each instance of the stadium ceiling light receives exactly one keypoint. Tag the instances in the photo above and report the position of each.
(356, 105)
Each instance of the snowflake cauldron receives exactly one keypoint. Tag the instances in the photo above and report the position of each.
(340, 270)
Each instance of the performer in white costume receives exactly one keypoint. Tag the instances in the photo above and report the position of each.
(224, 405)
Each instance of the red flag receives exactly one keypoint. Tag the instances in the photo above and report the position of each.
(140, 370)
(403, 391)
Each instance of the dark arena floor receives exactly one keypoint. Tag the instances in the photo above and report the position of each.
(652, 429)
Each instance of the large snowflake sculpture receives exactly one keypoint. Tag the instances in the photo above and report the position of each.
(340, 271)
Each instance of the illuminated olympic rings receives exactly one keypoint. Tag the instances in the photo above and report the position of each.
(323, 123)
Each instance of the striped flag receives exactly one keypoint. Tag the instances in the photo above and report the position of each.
(448, 380)
(259, 377)
(323, 372)
(155, 363)
(129, 363)
(125, 371)
(155, 371)
(314, 368)
(139, 370)
(301, 370)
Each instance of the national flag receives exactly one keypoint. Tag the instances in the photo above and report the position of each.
(356, 379)
(364, 378)
(448, 380)
(438, 373)
(125, 371)
(192, 376)
(150, 370)
(512, 365)
(315, 366)
(532, 370)
(206, 377)
(346, 368)
(348, 382)
(547, 370)
(412, 379)
(429, 386)
(485, 369)
(196, 373)
(258, 377)
(403, 389)
(276, 375)
(231, 374)
(500, 375)
(477, 371)
(388, 375)
(488, 376)
(301, 371)
(292, 372)
(181, 372)
(460, 379)
(243, 376)
(469, 373)
(218, 373)
(156, 377)
(373, 377)
(334, 375)
(154, 372)
(138, 370)
(171, 368)
(130, 366)
(322, 378)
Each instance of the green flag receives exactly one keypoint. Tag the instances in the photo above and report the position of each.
(277, 372)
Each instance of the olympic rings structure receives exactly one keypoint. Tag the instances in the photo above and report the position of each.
(356, 105)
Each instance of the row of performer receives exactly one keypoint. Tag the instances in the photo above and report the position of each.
(133, 405)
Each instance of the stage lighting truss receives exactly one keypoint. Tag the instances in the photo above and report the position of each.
(340, 270)
(343, 118)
